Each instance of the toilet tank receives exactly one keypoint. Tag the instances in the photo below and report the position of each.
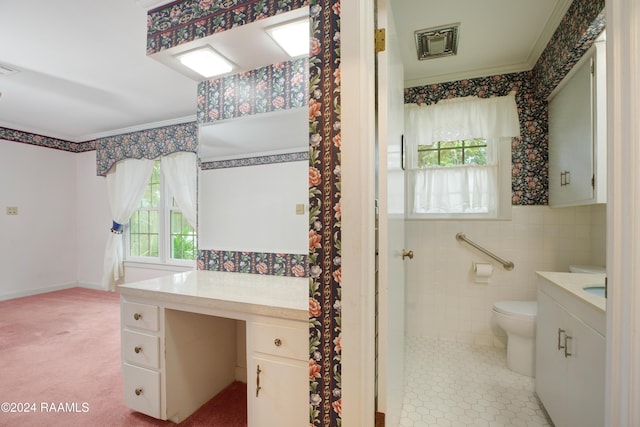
(591, 269)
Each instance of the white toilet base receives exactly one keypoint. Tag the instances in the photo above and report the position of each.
(521, 354)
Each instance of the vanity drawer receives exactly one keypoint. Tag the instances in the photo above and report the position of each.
(142, 316)
(279, 340)
(142, 390)
(141, 349)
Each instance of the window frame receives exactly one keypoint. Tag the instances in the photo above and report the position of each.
(164, 210)
(503, 191)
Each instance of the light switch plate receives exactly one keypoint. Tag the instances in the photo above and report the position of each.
(300, 209)
(12, 210)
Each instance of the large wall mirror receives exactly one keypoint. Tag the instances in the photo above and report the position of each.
(253, 184)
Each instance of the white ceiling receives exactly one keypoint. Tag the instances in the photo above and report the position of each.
(495, 36)
(83, 72)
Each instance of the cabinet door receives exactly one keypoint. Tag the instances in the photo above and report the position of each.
(551, 365)
(277, 392)
(571, 139)
(586, 376)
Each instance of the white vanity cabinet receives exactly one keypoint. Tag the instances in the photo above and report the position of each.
(278, 366)
(187, 336)
(578, 133)
(570, 359)
(140, 338)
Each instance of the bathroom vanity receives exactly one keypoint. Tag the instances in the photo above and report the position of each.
(187, 336)
(570, 348)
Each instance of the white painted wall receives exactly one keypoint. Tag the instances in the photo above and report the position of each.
(444, 301)
(38, 247)
(94, 220)
(253, 208)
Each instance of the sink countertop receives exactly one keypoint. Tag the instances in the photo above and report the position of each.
(573, 283)
(286, 297)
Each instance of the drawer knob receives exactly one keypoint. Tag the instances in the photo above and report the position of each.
(138, 349)
(138, 391)
(277, 342)
(137, 316)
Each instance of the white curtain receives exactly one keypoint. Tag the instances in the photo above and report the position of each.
(126, 183)
(181, 173)
(457, 119)
(458, 189)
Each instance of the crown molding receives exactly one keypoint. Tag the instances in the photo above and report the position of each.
(467, 75)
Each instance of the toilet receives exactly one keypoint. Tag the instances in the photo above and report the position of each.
(518, 319)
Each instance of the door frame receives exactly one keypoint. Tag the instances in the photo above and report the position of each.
(358, 218)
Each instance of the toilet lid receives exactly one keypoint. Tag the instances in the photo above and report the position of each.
(522, 309)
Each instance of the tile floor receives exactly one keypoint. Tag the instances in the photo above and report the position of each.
(456, 384)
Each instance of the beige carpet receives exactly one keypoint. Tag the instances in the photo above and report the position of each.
(60, 366)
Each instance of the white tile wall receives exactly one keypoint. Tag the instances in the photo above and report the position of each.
(443, 299)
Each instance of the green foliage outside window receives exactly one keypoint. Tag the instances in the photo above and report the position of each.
(183, 237)
(453, 153)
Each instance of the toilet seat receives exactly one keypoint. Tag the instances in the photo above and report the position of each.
(521, 309)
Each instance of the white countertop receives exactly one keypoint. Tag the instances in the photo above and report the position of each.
(573, 283)
(285, 297)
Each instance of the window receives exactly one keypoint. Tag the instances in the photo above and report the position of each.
(158, 232)
(443, 153)
(460, 179)
(459, 157)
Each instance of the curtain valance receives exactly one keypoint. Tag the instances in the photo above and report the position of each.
(147, 144)
(461, 118)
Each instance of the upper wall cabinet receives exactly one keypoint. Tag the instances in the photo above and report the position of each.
(578, 133)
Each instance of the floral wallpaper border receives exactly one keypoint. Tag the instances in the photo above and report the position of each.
(255, 161)
(147, 144)
(274, 87)
(273, 264)
(46, 141)
(325, 216)
(187, 20)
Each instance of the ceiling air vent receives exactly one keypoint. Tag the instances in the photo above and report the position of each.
(5, 70)
(437, 42)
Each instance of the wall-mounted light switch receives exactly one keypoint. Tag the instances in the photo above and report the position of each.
(12, 210)
(300, 209)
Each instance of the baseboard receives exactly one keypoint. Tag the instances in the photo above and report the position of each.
(29, 292)
(379, 419)
(89, 285)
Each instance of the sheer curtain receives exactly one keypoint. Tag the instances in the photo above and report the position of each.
(465, 188)
(126, 183)
(457, 189)
(181, 173)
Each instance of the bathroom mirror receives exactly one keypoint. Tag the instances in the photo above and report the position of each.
(253, 183)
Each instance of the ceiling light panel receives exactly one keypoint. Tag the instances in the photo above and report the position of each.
(292, 37)
(205, 61)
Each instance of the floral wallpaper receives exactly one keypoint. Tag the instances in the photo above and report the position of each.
(255, 161)
(45, 141)
(147, 144)
(292, 265)
(325, 226)
(183, 21)
(580, 26)
(275, 87)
